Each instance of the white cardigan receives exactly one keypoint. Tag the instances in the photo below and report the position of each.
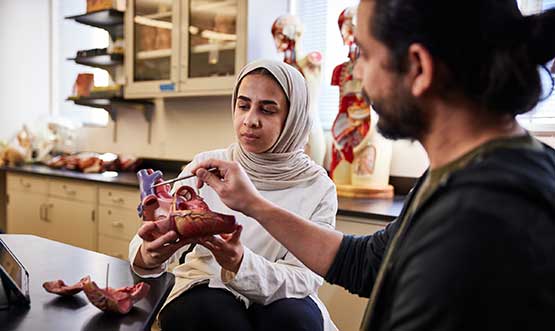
(268, 271)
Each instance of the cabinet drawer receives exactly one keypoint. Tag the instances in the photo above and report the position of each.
(118, 223)
(72, 190)
(113, 247)
(27, 184)
(119, 197)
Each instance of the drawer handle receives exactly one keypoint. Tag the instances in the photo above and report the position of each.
(117, 224)
(118, 200)
(46, 207)
(68, 191)
(42, 212)
(25, 185)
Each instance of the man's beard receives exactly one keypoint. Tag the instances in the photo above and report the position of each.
(399, 116)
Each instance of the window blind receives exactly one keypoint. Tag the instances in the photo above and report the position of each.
(321, 33)
(542, 117)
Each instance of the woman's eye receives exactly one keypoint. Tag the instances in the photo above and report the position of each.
(267, 111)
(243, 107)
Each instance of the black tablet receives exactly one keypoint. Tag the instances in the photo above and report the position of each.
(14, 276)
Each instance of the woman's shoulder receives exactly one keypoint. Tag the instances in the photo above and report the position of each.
(321, 183)
(220, 154)
(324, 181)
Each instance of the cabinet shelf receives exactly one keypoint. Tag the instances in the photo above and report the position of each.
(111, 105)
(110, 102)
(99, 61)
(212, 47)
(160, 15)
(110, 20)
(155, 54)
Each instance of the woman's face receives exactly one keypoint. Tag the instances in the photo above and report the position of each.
(260, 113)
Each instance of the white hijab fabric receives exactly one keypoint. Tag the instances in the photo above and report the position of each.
(285, 164)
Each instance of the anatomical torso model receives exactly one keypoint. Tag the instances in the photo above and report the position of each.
(360, 156)
(287, 31)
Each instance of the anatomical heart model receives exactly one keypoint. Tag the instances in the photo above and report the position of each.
(183, 211)
(117, 300)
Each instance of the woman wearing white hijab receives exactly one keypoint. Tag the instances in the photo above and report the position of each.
(247, 280)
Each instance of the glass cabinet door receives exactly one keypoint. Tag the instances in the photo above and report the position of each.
(152, 40)
(213, 43)
(212, 38)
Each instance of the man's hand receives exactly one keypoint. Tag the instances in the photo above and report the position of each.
(232, 185)
(228, 250)
(156, 247)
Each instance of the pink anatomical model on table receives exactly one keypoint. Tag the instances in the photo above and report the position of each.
(117, 300)
(287, 31)
(352, 123)
(183, 211)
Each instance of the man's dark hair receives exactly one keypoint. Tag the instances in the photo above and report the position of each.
(486, 49)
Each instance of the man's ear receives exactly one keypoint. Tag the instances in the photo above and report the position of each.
(421, 69)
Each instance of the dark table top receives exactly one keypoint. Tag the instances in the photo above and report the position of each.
(372, 209)
(50, 260)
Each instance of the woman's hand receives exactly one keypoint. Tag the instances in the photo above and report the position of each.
(228, 250)
(231, 183)
(156, 247)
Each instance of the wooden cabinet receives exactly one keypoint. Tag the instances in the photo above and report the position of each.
(118, 220)
(27, 197)
(72, 190)
(113, 247)
(346, 309)
(84, 214)
(118, 197)
(25, 213)
(60, 210)
(72, 222)
(194, 47)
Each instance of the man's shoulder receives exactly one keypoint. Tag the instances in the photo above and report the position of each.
(527, 174)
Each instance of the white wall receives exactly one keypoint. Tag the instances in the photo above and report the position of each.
(548, 139)
(24, 64)
(181, 128)
(409, 159)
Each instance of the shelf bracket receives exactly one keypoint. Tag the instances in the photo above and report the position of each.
(148, 112)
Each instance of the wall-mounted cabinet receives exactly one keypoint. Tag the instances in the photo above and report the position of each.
(193, 47)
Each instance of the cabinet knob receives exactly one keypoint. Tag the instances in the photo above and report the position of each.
(118, 200)
(25, 185)
(69, 191)
(117, 224)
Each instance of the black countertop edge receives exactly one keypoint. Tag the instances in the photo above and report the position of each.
(128, 179)
(384, 210)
